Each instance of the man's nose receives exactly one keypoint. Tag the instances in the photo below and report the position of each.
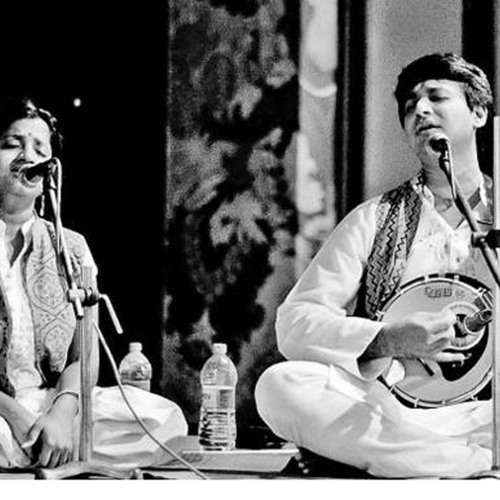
(423, 107)
(28, 154)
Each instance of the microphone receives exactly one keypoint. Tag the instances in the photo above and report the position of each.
(474, 323)
(478, 320)
(439, 143)
(29, 174)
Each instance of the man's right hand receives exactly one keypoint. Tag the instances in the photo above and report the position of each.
(422, 335)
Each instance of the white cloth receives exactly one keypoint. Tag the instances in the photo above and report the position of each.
(329, 402)
(21, 353)
(337, 415)
(118, 439)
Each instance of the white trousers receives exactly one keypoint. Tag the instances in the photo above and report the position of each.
(336, 415)
(117, 438)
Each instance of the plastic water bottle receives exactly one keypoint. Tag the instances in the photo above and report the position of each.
(135, 369)
(217, 425)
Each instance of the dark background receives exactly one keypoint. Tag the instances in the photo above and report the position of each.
(112, 56)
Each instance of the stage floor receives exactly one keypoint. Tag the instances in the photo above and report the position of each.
(284, 462)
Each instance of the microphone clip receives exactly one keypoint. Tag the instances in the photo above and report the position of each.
(491, 238)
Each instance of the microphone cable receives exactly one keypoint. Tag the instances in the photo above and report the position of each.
(137, 418)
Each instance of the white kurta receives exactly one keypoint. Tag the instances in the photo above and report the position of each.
(324, 399)
(117, 438)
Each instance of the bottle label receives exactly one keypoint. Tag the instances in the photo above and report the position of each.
(217, 396)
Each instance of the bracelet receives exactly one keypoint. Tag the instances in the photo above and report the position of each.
(65, 391)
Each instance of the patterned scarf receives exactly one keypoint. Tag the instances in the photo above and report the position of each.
(53, 317)
(397, 216)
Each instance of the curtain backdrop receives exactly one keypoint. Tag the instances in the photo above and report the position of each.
(231, 218)
(250, 181)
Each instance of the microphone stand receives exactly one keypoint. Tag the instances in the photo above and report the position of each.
(488, 244)
(83, 299)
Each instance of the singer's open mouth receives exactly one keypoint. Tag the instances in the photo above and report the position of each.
(19, 172)
(17, 167)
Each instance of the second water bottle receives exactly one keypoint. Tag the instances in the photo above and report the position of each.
(217, 425)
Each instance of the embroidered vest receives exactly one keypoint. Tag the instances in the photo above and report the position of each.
(53, 317)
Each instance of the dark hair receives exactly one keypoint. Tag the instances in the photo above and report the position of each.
(14, 108)
(448, 66)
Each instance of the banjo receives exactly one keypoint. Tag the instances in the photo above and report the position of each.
(428, 383)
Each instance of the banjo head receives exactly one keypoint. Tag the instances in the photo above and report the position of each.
(429, 383)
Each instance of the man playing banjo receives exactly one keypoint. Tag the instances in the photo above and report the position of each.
(389, 321)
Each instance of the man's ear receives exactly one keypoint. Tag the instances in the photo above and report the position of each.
(480, 116)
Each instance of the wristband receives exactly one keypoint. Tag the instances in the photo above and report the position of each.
(65, 391)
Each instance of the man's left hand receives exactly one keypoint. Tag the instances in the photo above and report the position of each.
(51, 440)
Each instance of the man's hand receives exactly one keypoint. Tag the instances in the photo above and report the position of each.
(51, 438)
(422, 335)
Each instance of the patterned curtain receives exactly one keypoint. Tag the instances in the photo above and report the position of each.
(231, 218)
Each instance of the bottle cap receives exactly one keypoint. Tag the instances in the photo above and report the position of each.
(219, 349)
(135, 346)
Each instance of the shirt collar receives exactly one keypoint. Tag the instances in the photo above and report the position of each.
(25, 228)
(424, 191)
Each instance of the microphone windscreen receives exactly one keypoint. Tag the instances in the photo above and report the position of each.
(439, 143)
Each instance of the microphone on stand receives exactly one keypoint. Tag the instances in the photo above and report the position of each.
(440, 143)
(474, 323)
(30, 175)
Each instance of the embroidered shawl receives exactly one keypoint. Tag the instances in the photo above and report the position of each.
(46, 287)
(397, 218)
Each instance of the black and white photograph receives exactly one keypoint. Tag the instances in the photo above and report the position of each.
(250, 242)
